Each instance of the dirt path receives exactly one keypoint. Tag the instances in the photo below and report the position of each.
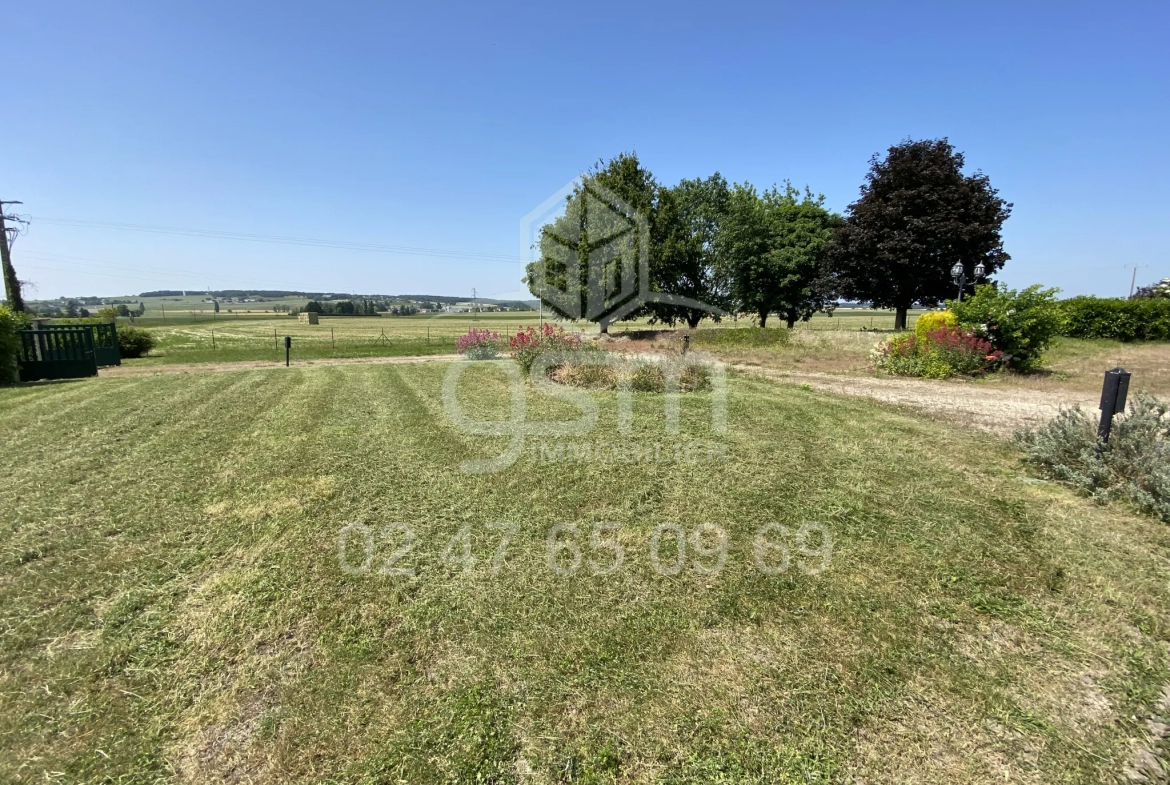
(968, 404)
(138, 370)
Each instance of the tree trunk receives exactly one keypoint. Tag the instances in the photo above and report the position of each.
(693, 321)
(900, 318)
(604, 325)
(791, 320)
(11, 284)
(763, 318)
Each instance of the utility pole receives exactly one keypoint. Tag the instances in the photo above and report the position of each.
(11, 282)
(1133, 279)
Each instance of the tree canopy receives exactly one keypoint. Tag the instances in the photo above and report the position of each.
(627, 246)
(917, 216)
(592, 255)
(683, 260)
(771, 251)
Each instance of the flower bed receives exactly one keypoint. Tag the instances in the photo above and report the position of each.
(576, 363)
(937, 353)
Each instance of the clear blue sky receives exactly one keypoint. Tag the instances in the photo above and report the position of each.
(440, 126)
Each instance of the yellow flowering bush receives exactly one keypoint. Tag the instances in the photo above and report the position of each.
(934, 320)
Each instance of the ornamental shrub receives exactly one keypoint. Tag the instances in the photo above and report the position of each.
(1134, 464)
(529, 343)
(591, 376)
(937, 354)
(641, 375)
(10, 322)
(478, 344)
(134, 342)
(932, 320)
(1140, 319)
(1020, 324)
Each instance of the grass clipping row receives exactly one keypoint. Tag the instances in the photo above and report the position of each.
(594, 370)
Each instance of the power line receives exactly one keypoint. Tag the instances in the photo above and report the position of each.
(174, 273)
(281, 240)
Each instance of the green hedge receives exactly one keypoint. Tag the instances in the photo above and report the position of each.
(9, 345)
(1145, 319)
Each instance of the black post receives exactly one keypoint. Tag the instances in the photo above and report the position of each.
(1112, 400)
(287, 348)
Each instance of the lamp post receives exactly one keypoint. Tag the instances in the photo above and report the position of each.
(959, 275)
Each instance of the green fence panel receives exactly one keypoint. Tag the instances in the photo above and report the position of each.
(60, 353)
(105, 344)
(105, 340)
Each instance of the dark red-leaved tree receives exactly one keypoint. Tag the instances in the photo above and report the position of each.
(918, 214)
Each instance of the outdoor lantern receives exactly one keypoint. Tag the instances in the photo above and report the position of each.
(980, 270)
(957, 271)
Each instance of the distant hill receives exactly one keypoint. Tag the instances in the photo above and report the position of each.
(274, 293)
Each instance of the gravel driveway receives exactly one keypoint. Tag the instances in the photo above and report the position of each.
(969, 404)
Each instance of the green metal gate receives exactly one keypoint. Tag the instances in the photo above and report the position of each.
(105, 344)
(60, 353)
(105, 340)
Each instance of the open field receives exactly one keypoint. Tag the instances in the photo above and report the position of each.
(173, 607)
(235, 338)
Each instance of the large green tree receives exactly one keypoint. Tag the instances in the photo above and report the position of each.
(592, 257)
(772, 250)
(917, 216)
(683, 262)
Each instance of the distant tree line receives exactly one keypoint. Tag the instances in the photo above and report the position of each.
(717, 248)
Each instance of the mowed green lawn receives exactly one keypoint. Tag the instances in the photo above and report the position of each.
(173, 607)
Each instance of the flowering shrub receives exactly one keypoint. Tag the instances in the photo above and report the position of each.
(529, 343)
(936, 354)
(1019, 324)
(932, 320)
(478, 344)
